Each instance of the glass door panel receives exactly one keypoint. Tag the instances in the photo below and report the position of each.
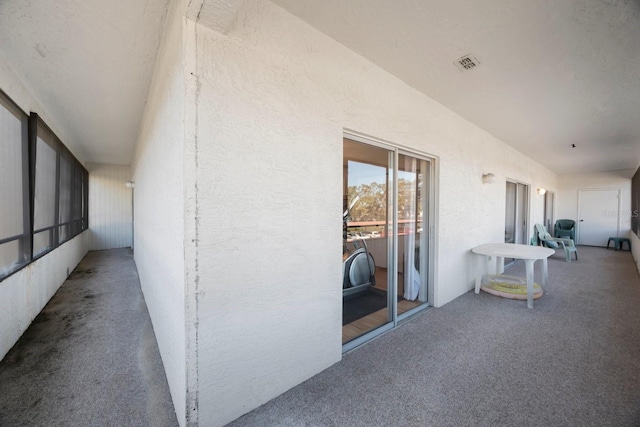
(521, 214)
(510, 213)
(386, 256)
(366, 228)
(549, 199)
(413, 233)
(515, 229)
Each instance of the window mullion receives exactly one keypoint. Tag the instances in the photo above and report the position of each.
(33, 144)
(56, 217)
(25, 241)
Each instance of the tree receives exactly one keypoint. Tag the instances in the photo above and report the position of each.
(372, 203)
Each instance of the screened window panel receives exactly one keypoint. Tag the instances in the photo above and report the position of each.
(10, 257)
(60, 193)
(85, 200)
(42, 242)
(64, 206)
(76, 207)
(14, 208)
(11, 173)
(77, 194)
(45, 192)
(63, 233)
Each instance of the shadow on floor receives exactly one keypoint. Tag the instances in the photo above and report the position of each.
(90, 357)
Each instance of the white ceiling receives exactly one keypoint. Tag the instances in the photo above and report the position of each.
(553, 73)
(89, 63)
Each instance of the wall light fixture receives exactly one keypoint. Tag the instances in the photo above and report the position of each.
(488, 178)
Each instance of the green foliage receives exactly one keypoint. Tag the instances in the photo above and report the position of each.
(372, 204)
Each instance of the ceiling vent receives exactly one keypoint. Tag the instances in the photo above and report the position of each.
(466, 63)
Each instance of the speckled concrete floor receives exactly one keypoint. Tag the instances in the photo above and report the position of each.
(90, 358)
(482, 360)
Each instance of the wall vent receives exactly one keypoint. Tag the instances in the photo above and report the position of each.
(466, 63)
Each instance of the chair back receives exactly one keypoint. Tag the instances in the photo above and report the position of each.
(545, 237)
(542, 232)
(565, 228)
(565, 224)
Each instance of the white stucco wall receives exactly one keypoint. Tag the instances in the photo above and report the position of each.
(110, 206)
(570, 185)
(273, 99)
(24, 294)
(159, 207)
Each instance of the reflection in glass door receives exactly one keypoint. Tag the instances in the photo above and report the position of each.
(549, 200)
(366, 229)
(412, 232)
(515, 228)
(386, 256)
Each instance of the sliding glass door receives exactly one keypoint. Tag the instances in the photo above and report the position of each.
(516, 207)
(412, 233)
(549, 201)
(386, 247)
(515, 230)
(367, 229)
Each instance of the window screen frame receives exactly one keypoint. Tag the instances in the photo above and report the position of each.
(39, 128)
(78, 204)
(24, 238)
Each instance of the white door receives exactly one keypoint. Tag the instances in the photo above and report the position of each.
(598, 216)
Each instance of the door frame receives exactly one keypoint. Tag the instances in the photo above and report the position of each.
(527, 207)
(434, 161)
(549, 195)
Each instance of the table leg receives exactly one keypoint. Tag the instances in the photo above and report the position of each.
(479, 259)
(545, 274)
(499, 265)
(529, 267)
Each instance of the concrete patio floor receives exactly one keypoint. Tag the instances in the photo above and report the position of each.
(90, 358)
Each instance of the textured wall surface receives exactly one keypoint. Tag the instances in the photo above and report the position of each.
(570, 185)
(110, 206)
(274, 97)
(159, 208)
(24, 294)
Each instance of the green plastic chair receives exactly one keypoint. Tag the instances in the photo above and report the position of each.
(554, 243)
(566, 228)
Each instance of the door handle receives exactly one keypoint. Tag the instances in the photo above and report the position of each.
(582, 220)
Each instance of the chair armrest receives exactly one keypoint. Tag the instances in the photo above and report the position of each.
(567, 242)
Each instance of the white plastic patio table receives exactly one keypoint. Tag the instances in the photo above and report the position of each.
(530, 254)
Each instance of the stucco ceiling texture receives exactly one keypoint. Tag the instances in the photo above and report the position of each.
(552, 73)
(89, 63)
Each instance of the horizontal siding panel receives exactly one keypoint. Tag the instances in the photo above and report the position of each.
(110, 206)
